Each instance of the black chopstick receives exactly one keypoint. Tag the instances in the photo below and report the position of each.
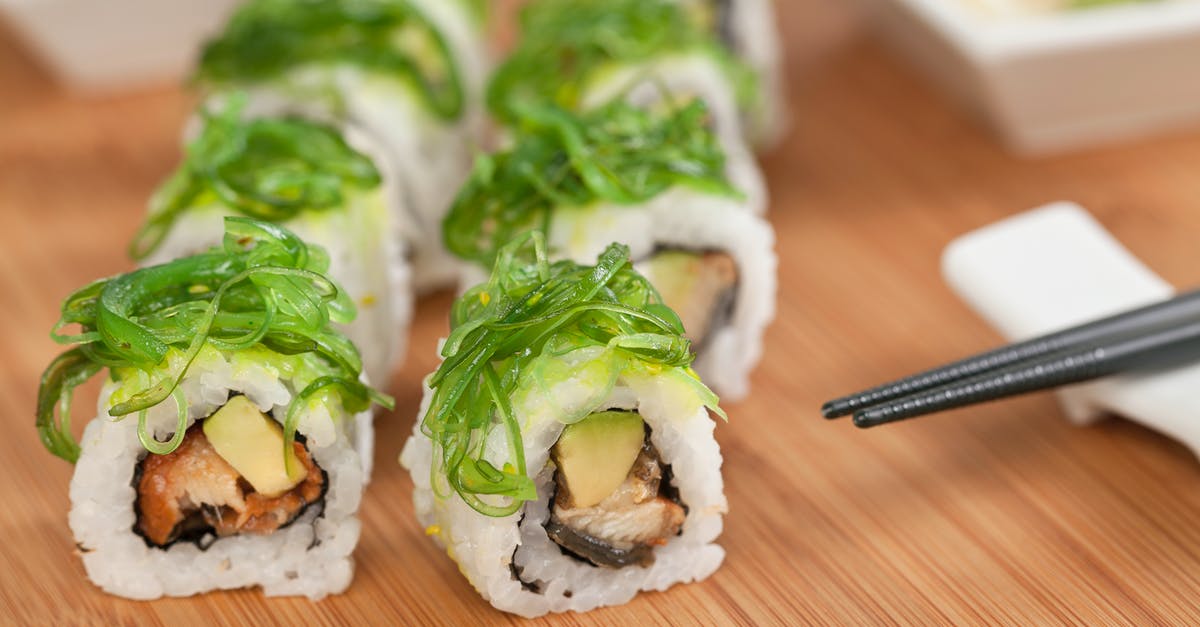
(1160, 348)
(1172, 312)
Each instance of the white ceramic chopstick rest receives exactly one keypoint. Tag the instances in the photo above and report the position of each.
(1056, 267)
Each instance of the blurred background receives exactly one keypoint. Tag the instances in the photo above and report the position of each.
(912, 122)
(1046, 76)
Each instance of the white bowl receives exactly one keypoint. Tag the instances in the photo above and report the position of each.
(1059, 80)
(109, 45)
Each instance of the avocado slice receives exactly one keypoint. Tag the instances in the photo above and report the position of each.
(698, 286)
(253, 444)
(675, 274)
(595, 454)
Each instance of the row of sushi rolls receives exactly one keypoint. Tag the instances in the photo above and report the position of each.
(593, 197)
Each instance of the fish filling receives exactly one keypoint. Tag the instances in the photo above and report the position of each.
(619, 526)
(194, 491)
(701, 287)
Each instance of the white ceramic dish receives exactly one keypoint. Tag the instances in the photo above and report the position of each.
(1058, 80)
(1056, 267)
(110, 45)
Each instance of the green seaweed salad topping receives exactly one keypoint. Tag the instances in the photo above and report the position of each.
(565, 43)
(529, 309)
(265, 168)
(266, 39)
(618, 153)
(263, 287)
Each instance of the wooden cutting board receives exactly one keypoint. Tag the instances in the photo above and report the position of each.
(1002, 513)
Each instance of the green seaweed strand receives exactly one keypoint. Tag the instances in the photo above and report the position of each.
(618, 153)
(497, 328)
(266, 39)
(263, 286)
(565, 43)
(265, 168)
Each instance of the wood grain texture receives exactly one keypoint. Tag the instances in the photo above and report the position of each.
(1002, 513)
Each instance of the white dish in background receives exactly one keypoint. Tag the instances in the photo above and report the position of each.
(110, 45)
(1055, 80)
(1056, 267)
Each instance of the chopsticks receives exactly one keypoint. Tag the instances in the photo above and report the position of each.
(1161, 334)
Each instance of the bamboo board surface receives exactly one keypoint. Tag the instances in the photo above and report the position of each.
(1002, 513)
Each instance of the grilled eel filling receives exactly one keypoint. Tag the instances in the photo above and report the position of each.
(701, 287)
(193, 492)
(644, 512)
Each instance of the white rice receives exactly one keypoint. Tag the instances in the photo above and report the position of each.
(486, 549)
(685, 76)
(751, 36)
(756, 43)
(309, 557)
(432, 157)
(686, 220)
(431, 161)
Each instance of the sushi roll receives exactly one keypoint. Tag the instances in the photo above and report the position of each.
(410, 73)
(748, 30)
(233, 434)
(652, 179)
(304, 175)
(581, 54)
(565, 456)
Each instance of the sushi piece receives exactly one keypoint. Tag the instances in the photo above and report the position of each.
(233, 435)
(409, 73)
(748, 30)
(565, 456)
(652, 179)
(581, 54)
(305, 176)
